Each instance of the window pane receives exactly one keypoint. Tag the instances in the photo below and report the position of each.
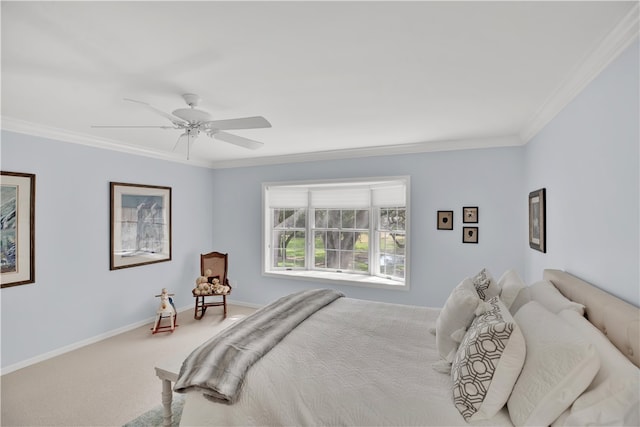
(333, 259)
(361, 253)
(288, 218)
(399, 267)
(276, 218)
(321, 218)
(384, 219)
(400, 243)
(346, 260)
(301, 218)
(334, 218)
(347, 240)
(332, 240)
(348, 219)
(319, 252)
(362, 219)
(295, 249)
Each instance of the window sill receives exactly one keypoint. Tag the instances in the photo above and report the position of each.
(348, 279)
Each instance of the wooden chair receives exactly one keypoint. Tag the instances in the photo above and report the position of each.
(217, 263)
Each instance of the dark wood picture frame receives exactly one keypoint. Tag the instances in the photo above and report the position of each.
(17, 238)
(140, 225)
(469, 234)
(470, 214)
(445, 220)
(538, 220)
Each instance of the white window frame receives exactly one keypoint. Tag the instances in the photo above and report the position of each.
(373, 278)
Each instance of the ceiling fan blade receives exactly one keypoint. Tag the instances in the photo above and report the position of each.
(127, 126)
(173, 119)
(242, 123)
(178, 141)
(238, 140)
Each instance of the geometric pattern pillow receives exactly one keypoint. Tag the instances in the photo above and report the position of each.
(486, 287)
(487, 363)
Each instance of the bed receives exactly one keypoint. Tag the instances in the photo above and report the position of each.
(355, 362)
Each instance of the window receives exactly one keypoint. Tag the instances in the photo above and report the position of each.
(350, 230)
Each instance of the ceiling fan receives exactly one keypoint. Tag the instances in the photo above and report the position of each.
(194, 121)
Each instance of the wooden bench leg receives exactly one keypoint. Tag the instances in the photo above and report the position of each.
(167, 397)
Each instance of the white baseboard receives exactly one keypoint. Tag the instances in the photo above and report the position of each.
(97, 338)
(245, 304)
(79, 344)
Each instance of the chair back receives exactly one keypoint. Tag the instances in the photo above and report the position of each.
(217, 263)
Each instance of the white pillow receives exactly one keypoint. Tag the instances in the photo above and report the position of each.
(510, 285)
(613, 397)
(521, 299)
(487, 363)
(486, 287)
(558, 367)
(455, 317)
(550, 297)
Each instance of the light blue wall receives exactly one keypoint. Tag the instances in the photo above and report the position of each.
(76, 296)
(587, 158)
(492, 179)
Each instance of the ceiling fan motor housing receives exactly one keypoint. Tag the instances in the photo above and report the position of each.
(192, 115)
(191, 99)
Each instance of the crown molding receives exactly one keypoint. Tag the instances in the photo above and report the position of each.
(24, 127)
(385, 150)
(603, 54)
(43, 131)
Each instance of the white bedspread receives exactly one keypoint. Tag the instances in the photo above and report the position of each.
(352, 363)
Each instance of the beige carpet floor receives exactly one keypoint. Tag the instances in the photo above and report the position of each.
(107, 383)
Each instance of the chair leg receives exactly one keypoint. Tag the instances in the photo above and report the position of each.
(200, 309)
(155, 326)
(224, 303)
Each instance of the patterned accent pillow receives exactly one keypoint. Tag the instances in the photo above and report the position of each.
(486, 287)
(487, 363)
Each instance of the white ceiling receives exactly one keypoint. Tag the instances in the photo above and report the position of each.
(335, 79)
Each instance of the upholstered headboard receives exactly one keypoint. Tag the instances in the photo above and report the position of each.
(617, 319)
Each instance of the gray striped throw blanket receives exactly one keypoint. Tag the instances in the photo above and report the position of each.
(217, 368)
